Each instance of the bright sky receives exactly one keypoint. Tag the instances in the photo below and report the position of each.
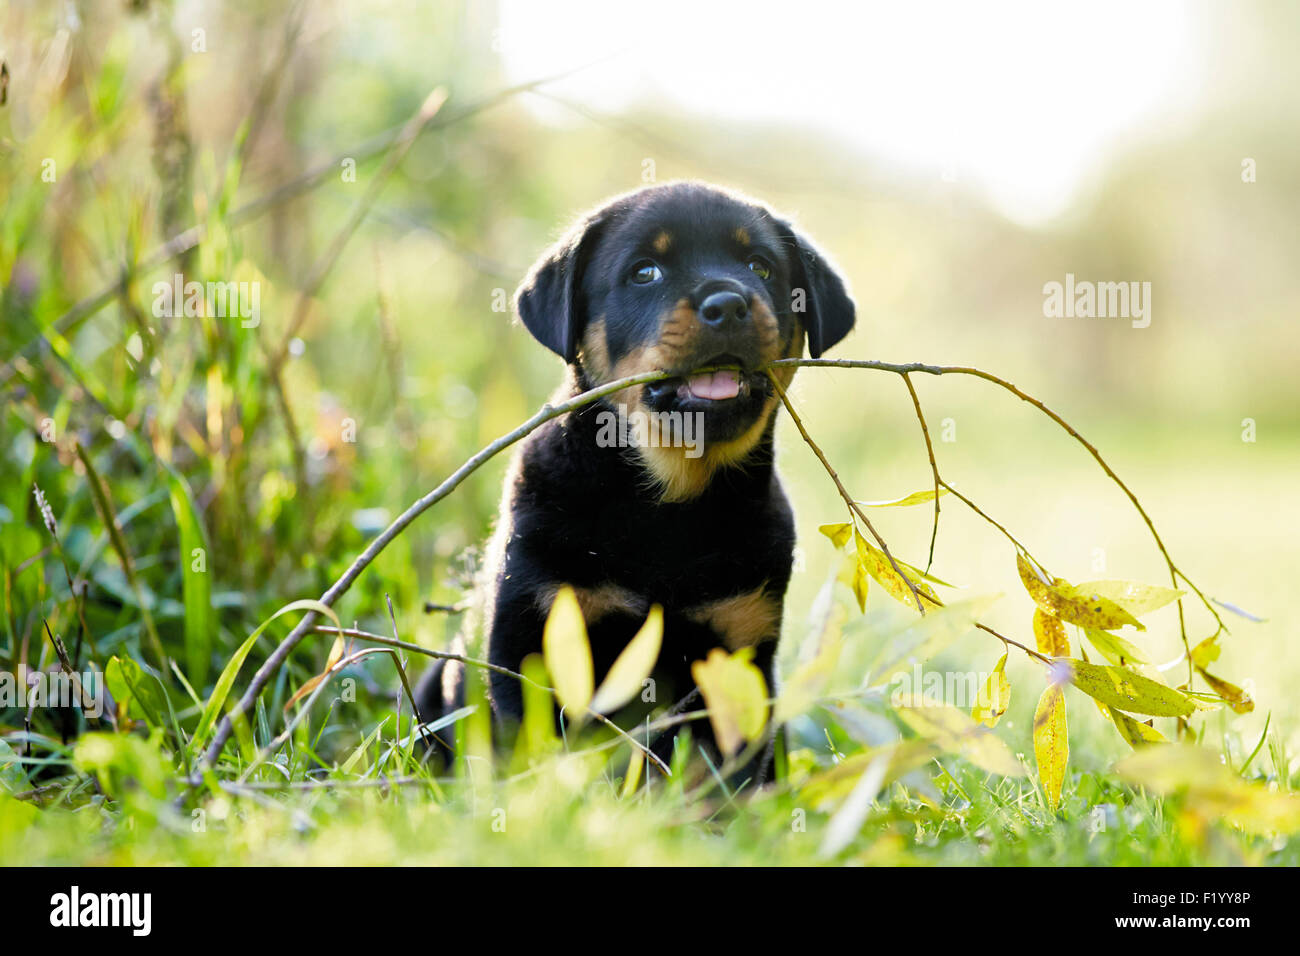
(1019, 100)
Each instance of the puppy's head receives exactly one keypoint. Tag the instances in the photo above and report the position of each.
(682, 278)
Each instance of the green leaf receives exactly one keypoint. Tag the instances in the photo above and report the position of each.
(13, 779)
(138, 691)
(196, 583)
(568, 654)
(350, 764)
(227, 679)
(1126, 690)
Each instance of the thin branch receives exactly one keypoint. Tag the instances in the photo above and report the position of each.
(934, 467)
(1006, 640)
(1174, 571)
(1007, 534)
(549, 412)
(844, 493)
(276, 358)
(363, 560)
(417, 649)
(486, 665)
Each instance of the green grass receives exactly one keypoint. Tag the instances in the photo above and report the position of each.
(194, 496)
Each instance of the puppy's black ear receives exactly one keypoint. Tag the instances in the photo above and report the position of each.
(548, 301)
(818, 296)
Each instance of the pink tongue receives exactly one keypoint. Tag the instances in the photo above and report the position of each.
(715, 385)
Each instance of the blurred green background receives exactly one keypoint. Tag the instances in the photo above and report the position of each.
(153, 128)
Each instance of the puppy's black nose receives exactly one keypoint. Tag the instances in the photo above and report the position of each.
(724, 308)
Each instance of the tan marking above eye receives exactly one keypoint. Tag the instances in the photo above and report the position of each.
(741, 235)
(663, 242)
(743, 620)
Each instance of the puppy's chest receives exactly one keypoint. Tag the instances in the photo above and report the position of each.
(719, 573)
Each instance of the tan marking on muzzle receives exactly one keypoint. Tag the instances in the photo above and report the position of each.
(743, 620)
(676, 476)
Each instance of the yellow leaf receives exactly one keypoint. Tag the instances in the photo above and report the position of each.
(309, 685)
(1137, 599)
(335, 655)
(956, 732)
(994, 697)
(1135, 732)
(1207, 652)
(633, 777)
(1128, 691)
(1238, 699)
(736, 695)
(854, 576)
(1051, 743)
(1071, 604)
(1114, 648)
(568, 654)
(634, 664)
(915, 498)
(811, 677)
(876, 563)
(828, 787)
(838, 533)
(1211, 790)
(1049, 632)
(336, 652)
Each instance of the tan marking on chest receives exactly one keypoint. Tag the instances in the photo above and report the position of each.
(743, 620)
(597, 602)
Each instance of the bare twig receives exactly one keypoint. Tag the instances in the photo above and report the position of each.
(549, 412)
(363, 560)
(417, 649)
(486, 665)
(1175, 573)
(844, 493)
(934, 467)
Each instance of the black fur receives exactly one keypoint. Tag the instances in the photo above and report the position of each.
(600, 519)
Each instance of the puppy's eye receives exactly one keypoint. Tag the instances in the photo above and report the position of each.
(645, 272)
(759, 266)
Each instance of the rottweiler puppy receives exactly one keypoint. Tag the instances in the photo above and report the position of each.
(664, 493)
